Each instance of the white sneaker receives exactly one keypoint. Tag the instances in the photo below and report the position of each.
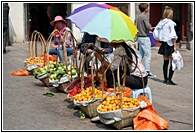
(150, 75)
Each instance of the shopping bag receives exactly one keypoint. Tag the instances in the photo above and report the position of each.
(177, 61)
(152, 39)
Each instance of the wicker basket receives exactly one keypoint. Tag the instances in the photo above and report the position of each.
(45, 81)
(71, 99)
(125, 115)
(127, 119)
(91, 109)
(62, 87)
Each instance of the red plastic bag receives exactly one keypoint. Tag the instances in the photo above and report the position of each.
(20, 72)
(148, 119)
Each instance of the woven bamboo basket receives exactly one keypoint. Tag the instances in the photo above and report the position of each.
(71, 99)
(62, 87)
(45, 81)
(33, 49)
(91, 109)
(127, 119)
(125, 115)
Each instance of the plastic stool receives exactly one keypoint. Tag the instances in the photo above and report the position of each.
(137, 92)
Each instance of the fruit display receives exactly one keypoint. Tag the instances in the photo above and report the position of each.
(113, 103)
(87, 94)
(34, 60)
(55, 70)
(39, 60)
(40, 71)
(77, 84)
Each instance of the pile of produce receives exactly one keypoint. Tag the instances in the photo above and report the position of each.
(113, 103)
(34, 60)
(87, 94)
(55, 70)
(75, 87)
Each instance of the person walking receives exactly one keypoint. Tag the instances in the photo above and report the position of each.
(144, 43)
(168, 38)
(5, 25)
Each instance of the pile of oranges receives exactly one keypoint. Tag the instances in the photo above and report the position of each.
(113, 103)
(87, 94)
(34, 60)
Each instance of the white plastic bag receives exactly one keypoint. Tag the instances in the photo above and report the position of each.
(177, 61)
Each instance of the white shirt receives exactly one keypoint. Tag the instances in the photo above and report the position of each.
(164, 31)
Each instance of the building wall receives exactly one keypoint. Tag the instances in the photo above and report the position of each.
(76, 31)
(16, 22)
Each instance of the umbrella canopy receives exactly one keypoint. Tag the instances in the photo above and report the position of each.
(105, 21)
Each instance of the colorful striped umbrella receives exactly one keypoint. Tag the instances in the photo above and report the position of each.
(105, 21)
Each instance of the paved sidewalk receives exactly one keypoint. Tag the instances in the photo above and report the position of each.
(26, 108)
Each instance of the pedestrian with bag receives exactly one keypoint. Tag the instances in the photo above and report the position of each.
(5, 25)
(143, 38)
(165, 32)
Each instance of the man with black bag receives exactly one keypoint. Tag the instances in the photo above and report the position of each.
(5, 25)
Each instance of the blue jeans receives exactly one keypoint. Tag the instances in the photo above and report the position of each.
(145, 50)
(59, 51)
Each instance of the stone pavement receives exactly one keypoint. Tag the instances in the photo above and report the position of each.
(26, 108)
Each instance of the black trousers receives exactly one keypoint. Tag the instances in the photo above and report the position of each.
(5, 39)
(132, 81)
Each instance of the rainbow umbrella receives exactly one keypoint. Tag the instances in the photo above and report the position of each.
(105, 21)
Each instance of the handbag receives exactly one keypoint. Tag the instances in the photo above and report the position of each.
(152, 39)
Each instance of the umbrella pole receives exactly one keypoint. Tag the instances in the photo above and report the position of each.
(65, 53)
(93, 93)
(118, 77)
(124, 75)
(96, 61)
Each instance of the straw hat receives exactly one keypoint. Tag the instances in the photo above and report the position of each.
(58, 18)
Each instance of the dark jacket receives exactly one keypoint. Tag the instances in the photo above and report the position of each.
(91, 39)
(5, 15)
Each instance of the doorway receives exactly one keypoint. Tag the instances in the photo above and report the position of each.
(39, 20)
(180, 16)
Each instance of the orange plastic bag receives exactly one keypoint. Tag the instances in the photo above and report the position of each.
(148, 119)
(20, 72)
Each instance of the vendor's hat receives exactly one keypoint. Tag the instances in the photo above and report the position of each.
(58, 18)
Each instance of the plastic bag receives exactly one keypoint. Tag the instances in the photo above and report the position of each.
(152, 39)
(177, 61)
(20, 72)
(148, 119)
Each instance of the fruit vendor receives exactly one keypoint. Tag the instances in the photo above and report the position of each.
(104, 47)
(56, 48)
(135, 73)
